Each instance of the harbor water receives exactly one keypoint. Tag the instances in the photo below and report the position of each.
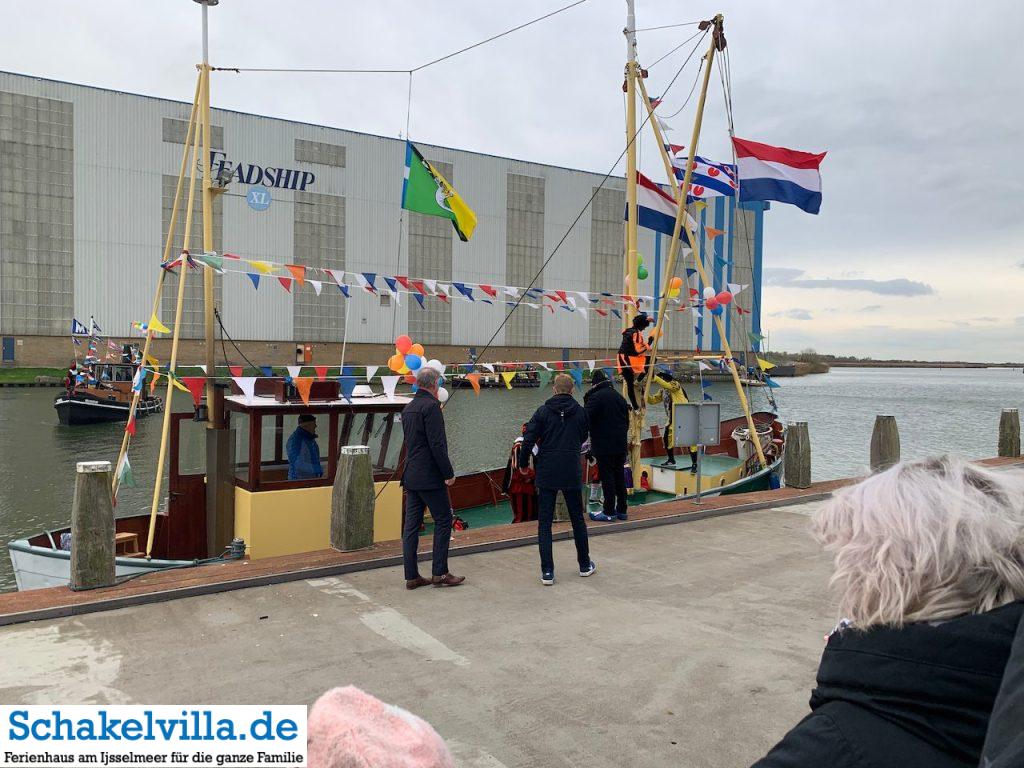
(938, 411)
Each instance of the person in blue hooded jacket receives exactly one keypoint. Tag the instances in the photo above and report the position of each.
(560, 428)
(303, 451)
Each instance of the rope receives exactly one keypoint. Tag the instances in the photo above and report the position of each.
(357, 71)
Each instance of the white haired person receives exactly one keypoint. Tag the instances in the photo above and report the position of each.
(929, 573)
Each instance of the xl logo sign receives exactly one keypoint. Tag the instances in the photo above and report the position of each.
(258, 198)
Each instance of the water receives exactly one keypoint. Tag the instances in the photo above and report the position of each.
(937, 411)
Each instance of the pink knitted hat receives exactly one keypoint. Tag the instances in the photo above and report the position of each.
(349, 728)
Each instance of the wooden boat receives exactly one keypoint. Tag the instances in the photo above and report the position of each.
(109, 399)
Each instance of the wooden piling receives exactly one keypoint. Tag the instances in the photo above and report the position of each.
(1009, 432)
(352, 501)
(797, 466)
(885, 443)
(92, 527)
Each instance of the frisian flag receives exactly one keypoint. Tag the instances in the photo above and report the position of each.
(709, 179)
(777, 173)
(656, 209)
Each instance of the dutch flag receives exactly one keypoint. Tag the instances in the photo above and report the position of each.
(777, 173)
(656, 209)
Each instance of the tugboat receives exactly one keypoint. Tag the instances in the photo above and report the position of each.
(103, 393)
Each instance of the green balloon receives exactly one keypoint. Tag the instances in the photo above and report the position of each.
(642, 273)
(639, 260)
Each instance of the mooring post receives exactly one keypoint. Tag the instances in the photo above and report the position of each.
(352, 501)
(797, 467)
(1009, 433)
(92, 527)
(885, 443)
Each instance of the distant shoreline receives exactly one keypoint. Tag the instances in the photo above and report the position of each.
(915, 364)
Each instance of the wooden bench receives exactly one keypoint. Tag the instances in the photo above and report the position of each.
(126, 545)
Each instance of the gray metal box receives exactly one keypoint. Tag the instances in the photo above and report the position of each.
(697, 423)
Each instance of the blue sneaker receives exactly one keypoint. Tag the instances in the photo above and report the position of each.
(622, 516)
(547, 578)
(601, 517)
(589, 570)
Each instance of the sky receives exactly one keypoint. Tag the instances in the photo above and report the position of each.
(918, 251)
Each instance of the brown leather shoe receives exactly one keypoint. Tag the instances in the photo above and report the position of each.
(416, 583)
(448, 580)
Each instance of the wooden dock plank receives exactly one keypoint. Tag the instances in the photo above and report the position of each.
(16, 607)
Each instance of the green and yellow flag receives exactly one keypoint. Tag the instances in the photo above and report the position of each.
(426, 191)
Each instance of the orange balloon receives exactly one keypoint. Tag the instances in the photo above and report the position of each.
(402, 344)
(395, 362)
(415, 349)
(675, 283)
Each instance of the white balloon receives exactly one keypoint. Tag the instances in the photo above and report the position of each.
(423, 362)
(437, 365)
(442, 395)
(708, 292)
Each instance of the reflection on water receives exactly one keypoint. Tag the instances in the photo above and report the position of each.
(937, 411)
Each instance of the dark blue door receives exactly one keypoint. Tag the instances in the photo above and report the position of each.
(8, 349)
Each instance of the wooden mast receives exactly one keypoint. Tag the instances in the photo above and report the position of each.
(160, 280)
(208, 274)
(717, 39)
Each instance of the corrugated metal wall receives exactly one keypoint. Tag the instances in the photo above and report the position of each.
(123, 151)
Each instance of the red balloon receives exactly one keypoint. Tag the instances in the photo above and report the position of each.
(711, 303)
(403, 343)
(724, 297)
(410, 379)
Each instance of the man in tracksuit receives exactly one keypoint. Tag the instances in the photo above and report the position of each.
(426, 476)
(559, 427)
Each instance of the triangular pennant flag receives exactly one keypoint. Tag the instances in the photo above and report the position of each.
(489, 291)
(366, 280)
(511, 291)
(286, 283)
(195, 385)
(474, 380)
(293, 371)
(337, 275)
(770, 383)
(130, 426)
(419, 287)
(267, 371)
(152, 384)
(431, 285)
(735, 288)
(317, 286)
(445, 289)
(465, 290)
(156, 325)
(248, 386)
(545, 377)
(701, 365)
(321, 372)
(263, 267)
(545, 366)
(764, 365)
(508, 376)
(590, 364)
(582, 311)
(707, 396)
(488, 366)
(577, 376)
(255, 279)
(344, 290)
(392, 283)
(389, 382)
(419, 299)
(404, 282)
(211, 260)
(371, 371)
(442, 297)
(125, 478)
(298, 272)
(235, 370)
(755, 337)
(713, 233)
(303, 384)
(601, 312)
(397, 297)
(348, 386)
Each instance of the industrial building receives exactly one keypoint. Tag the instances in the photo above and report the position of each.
(87, 178)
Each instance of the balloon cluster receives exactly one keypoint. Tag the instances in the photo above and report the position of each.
(716, 301)
(675, 285)
(409, 357)
(641, 270)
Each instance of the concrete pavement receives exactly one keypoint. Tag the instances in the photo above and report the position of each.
(693, 645)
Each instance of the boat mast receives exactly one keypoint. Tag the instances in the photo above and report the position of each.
(631, 223)
(208, 274)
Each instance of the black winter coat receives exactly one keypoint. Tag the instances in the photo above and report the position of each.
(608, 417)
(427, 464)
(1004, 742)
(916, 697)
(560, 428)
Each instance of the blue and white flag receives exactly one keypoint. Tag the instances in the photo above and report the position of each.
(709, 179)
(77, 329)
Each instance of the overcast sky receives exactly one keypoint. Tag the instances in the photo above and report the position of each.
(917, 251)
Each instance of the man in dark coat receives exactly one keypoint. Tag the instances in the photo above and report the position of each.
(919, 695)
(608, 417)
(426, 473)
(1004, 742)
(560, 428)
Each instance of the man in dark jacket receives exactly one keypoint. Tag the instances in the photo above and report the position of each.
(427, 472)
(1004, 742)
(919, 695)
(608, 417)
(560, 428)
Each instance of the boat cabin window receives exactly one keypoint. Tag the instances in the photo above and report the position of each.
(262, 436)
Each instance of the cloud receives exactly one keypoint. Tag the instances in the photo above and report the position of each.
(788, 277)
(794, 314)
(1020, 264)
(985, 319)
(1019, 320)
(871, 308)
